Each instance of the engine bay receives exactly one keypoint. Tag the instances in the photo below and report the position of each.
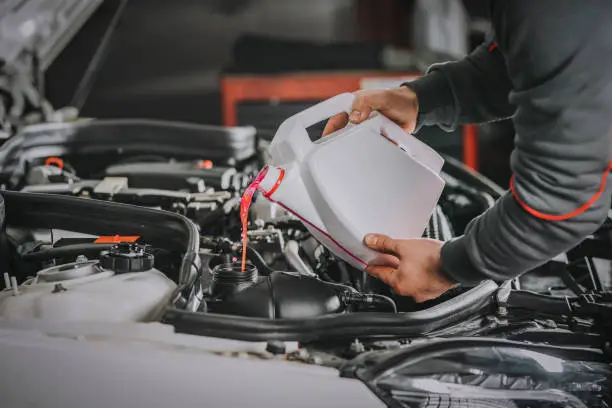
(99, 228)
(290, 276)
(121, 242)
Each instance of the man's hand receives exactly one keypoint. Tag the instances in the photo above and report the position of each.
(411, 267)
(400, 105)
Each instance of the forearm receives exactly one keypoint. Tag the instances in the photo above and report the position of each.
(563, 93)
(507, 241)
(472, 90)
(559, 196)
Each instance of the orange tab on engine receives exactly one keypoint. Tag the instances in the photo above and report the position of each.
(115, 239)
(204, 164)
(54, 161)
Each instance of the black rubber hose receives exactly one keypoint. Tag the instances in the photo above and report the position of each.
(160, 229)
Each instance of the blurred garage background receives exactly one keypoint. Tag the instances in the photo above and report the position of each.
(255, 62)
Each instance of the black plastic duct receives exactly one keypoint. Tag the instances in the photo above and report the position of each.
(475, 302)
(160, 229)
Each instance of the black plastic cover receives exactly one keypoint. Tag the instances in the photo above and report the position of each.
(174, 176)
(127, 257)
(82, 142)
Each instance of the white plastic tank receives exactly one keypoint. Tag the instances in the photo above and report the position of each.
(368, 178)
(84, 291)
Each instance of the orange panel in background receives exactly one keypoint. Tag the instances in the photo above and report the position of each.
(301, 87)
(290, 87)
(470, 146)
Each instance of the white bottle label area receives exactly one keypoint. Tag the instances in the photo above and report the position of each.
(354, 183)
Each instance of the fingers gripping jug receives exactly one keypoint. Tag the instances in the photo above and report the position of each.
(367, 178)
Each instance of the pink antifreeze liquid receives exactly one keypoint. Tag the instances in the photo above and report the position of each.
(245, 204)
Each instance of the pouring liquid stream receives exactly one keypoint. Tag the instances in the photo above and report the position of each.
(245, 203)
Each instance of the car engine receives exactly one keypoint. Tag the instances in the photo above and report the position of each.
(138, 221)
(120, 249)
(290, 275)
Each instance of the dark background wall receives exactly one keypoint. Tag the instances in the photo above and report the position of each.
(164, 57)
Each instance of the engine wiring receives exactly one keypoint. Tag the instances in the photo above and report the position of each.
(338, 290)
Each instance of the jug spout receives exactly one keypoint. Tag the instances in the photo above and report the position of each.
(272, 177)
(285, 187)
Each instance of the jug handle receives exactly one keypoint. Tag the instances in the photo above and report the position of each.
(420, 151)
(317, 113)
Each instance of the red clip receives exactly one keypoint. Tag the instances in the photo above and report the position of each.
(204, 164)
(56, 161)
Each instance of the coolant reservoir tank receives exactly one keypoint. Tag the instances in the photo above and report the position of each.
(367, 178)
(92, 291)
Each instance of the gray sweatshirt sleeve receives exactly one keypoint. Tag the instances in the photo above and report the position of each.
(472, 90)
(558, 55)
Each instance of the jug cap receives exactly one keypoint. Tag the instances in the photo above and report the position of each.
(271, 178)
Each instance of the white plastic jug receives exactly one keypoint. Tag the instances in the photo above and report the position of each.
(354, 181)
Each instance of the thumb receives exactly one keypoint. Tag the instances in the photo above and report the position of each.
(381, 243)
(367, 102)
